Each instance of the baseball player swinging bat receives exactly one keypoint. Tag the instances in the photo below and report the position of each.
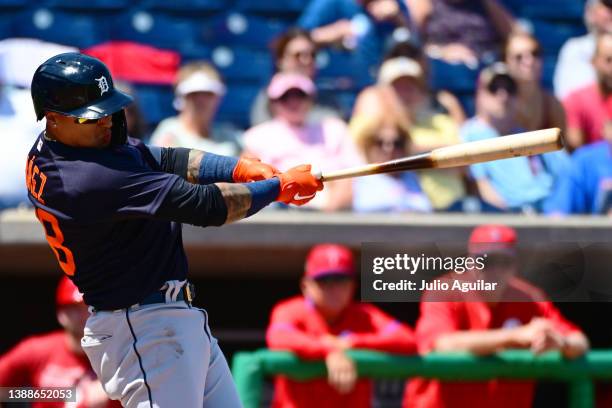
(520, 144)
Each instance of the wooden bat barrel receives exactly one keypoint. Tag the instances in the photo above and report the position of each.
(463, 154)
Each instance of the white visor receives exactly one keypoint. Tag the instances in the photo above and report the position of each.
(200, 82)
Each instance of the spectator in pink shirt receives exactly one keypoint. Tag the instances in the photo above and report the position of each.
(589, 109)
(289, 138)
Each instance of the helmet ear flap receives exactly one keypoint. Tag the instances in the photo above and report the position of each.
(119, 129)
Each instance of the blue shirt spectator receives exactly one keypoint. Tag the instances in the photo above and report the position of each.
(355, 26)
(518, 184)
(587, 187)
(521, 181)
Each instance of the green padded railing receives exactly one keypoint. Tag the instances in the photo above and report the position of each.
(250, 368)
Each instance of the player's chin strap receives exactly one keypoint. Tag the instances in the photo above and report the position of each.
(119, 129)
(173, 288)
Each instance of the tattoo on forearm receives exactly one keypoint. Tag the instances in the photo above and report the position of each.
(193, 167)
(237, 199)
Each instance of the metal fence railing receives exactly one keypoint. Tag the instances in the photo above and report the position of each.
(250, 369)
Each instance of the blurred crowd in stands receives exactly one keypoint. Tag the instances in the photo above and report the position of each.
(399, 61)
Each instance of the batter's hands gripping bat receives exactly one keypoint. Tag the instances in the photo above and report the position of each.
(463, 154)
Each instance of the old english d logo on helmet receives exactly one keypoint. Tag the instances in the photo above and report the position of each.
(78, 85)
(102, 84)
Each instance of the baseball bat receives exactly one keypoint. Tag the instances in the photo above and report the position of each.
(462, 154)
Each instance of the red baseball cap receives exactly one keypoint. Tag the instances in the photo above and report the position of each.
(492, 238)
(328, 260)
(67, 293)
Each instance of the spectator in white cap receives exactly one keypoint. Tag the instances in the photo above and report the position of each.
(290, 138)
(198, 91)
(402, 87)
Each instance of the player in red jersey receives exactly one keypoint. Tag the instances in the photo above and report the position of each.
(485, 326)
(56, 359)
(325, 322)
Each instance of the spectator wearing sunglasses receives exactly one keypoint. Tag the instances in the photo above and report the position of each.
(295, 51)
(323, 323)
(290, 137)
(381, 137)
(402, 88)
(518, 184)
(536, 108)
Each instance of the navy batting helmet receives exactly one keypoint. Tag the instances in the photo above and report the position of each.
(78, 85)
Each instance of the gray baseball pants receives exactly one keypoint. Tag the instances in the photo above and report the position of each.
(159, 356)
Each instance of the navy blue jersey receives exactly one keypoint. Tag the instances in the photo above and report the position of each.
(97, 208)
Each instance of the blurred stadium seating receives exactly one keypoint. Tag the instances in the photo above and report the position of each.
(239, 64)
(456, 78)
(160, 29)
(287, 8)
(235, 28)
(79, 29)
(552, 35)
(236, 34)
(190, 6)
(157, 100)
(7, 4)
(547, 9)
(338, 69)
(6, 25)
(237, 102)
(90, 5)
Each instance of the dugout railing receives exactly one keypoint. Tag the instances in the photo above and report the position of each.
(251, 368)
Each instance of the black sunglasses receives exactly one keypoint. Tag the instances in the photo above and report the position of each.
(303, 54)
(502, 82)
(293, 93)
(395, 144)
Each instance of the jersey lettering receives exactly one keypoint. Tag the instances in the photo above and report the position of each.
(32, 171)
(55, 238)
(29, 166)
(43, 180)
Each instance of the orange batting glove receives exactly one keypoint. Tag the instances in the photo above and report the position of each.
(298, 185)
(252, 169)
